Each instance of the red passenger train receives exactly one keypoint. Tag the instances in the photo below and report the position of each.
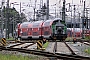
(48, 29)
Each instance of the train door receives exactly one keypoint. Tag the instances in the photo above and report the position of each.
(30, 31)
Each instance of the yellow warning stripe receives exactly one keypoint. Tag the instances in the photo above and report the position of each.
(3, 43)
(4, 40)
(38, 46)
(40, 43)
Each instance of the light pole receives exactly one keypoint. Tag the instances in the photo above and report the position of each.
(2, 5)
(7, 22)
(47, 14)
(83, 19)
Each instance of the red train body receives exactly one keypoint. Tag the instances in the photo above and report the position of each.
(24, 30)
(47, 29)
(39, 29)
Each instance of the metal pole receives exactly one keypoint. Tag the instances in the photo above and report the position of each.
(47, 14)
(83, 21)
(86, 18)
(20, 9)
(2, 16)
(55, 12)
(63, 11)
(74, 22)
(34, 15)
(63, 16)
(71, 22)
(34, 10)
(7, 19)
(13, 22)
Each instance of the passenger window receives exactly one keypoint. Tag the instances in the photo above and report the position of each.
(30, 29)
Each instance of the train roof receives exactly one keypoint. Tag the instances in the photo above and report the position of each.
(49, 22)
(25, 24)
(37, 23)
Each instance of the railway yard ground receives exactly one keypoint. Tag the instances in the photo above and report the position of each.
(27, 50)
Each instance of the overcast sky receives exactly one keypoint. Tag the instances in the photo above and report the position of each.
(51, 2)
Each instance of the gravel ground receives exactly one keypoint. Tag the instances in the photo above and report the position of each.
(81, 47)
(23, 54)
(50, 47)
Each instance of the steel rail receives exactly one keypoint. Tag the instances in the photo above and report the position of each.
(70, 48)
(47, 54)
(55, 47)
(29, 45)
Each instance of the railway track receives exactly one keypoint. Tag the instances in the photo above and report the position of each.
(64, 48)
(87, 43)
(28, 48)
(47, 54)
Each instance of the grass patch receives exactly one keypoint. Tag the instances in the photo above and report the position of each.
(87, 50)
(69, 38)
(46, 45)
(87, 37)
(10, 39)
(15, 57)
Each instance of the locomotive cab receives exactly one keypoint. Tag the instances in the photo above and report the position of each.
(59, 31)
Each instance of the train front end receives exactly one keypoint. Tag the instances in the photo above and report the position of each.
(60, 32)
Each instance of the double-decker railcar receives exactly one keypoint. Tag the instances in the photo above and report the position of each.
(24, 30)
(37, 29)
(49, 29)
